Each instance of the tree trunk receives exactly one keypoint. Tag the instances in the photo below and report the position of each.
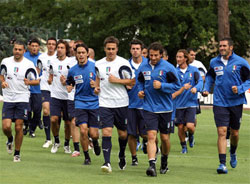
(223, 19)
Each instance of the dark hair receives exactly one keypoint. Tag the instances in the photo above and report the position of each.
(33, 40)
(18, 42)
(52, 38)
(137, 42)
(190, 49)
(156, 46)
(111, 39)
(82, 45)
(66, 45)
(184, 51)
(166, 52)
(229, 40)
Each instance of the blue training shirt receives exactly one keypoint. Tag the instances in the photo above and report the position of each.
(134, 100)
(158, 100)
(79, 76)
(235, 73)
(186, 98)
(33, 89)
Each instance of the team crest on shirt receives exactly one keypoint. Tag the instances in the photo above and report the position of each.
(190, 76)
(234, 68)
(161, 72)
(108, 69)
(16, 69)
(91, 74)
(60, 67)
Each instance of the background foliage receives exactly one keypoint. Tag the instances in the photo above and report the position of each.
(176, 24)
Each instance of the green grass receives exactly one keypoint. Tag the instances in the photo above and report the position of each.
(38, 165)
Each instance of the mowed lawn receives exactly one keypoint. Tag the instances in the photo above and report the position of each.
(38, 165)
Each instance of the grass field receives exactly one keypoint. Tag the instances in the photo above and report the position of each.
(38, 165)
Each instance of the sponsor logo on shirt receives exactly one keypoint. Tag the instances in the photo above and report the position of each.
(217, 68)
(77, 77)
(146, 73)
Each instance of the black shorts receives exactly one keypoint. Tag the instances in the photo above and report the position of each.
(13, 111)
(71, 109)
(186, 115)
(59, 106)
(136, 122)
(113, 116)
(158, 121)
(228, 116)
(45, 96)
(87, 116)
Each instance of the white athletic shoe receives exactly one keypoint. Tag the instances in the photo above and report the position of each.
(47, 144)
(55, 147)
(17, 158)
(106, 168)
(76, 154)
(67, 149)
(9, 147)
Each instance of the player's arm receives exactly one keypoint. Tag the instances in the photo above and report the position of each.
(115, 80)
(70, 83)
(186, 86)
(3, 71)
(50, 79)
(245, 77)
(31, 82)
(97, 85)
(209, 81)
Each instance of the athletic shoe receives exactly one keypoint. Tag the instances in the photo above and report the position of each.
(106, 167)
(55, 147)
(222, 169)
(32, 135)
(67, 149)
(184, 150)
(97, 150)
(144, 147)
(76, 154)
(233, 160)
(17, 158)
(25, 129)
(122, 163)
(228, 143)
(191, 141)
(164, 168)
(9, 146)
(151, 171)
(87, 161)
(134, 162)
(40, 125)
(47, 144)
(138, 146)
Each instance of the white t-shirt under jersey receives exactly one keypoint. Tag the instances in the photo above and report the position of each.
(14, 74)
(113, 95)
(46, 62)
(58, 68)
(200, 66)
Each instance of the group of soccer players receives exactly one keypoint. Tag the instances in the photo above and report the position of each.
(140, 96)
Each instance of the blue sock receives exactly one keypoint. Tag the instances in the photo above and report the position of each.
(46, 122)
(106, 148)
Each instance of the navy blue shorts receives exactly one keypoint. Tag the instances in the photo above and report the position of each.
(186, 115)
(12, 110)
(136, 122)
(89, 116)
(113, 116)
(158, 121)
(198, 108)
(59, 106)
(45, 96)
(228, 116)
(71, 109)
